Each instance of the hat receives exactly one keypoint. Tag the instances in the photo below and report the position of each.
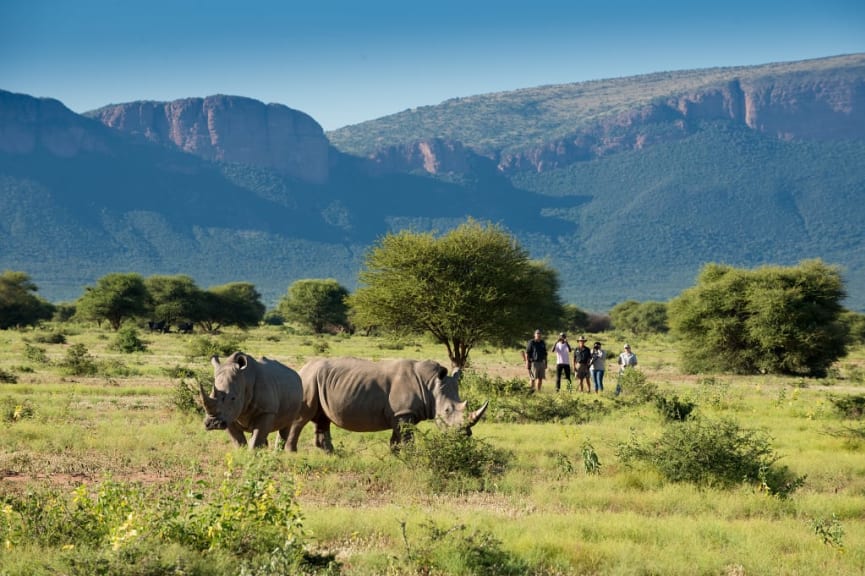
(581, 339)
(627, 346)
(563, 335)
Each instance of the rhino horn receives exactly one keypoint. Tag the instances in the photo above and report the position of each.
(477, 414)
(206, 400)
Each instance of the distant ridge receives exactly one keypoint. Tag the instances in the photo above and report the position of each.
(626, 186)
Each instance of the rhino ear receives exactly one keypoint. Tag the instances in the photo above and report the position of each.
(242, 361)
(215, 361)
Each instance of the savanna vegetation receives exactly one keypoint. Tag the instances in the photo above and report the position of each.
(107, 468)
(695, 468)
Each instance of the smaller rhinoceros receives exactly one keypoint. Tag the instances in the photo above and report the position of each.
(252, 396)
(363, 396)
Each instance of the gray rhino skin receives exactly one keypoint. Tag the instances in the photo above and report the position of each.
(364, 396)
(252, 396)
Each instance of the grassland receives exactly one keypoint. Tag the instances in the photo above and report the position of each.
(543, 513)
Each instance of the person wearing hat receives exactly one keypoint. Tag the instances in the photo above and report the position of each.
(582, 357)
(626, 359)
(536, 360)
(563, 361)
(597, 367)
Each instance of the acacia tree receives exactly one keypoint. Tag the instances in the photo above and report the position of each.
(640, 318)
(472, 285)
(772, 319)
(175, 298)
(115, 298)
(19, 304)
(316, 304)
(233, 304)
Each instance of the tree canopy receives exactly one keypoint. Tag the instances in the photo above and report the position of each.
(316, 304)
(175, 298)
(115, 298)
(774, 319)
(472, 285)
(640, 318)
(19, 304)
(233, 304)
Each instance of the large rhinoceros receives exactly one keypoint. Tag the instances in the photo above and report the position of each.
(364, 396)
(252, 396)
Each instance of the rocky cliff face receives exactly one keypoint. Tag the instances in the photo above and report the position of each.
(230, 129)
(30, 124)
(794, 106)
(788, 110)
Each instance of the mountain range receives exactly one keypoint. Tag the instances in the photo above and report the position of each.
(627, 186)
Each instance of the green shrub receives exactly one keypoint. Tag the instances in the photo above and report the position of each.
(851, 407)
(455, 550)
(12, 411)
(50, 338)
(35, 354)
(205, 346)
(8, 377)
(591, 462)
(78, 361)
(671, 408)
(127, 340)
(454, 461)
(712, 453)
(634, 386)
(249, 517)
(185, 395)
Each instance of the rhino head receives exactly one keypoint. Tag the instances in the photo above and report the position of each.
(450, 410)
(231, 381)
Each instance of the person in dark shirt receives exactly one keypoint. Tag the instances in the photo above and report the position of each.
(536, 360)
(582, 357)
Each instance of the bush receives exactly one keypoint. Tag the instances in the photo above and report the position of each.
(185, 396)
(674, 409)
(35, 354)
(249, 518)
(50, 338)
(8, 377)
(454, 461)
(635, 386)
(454, 550)
(204, 346)
(78, 361)
(851, 407)
(12, 411)
(128, 341)
(712, 453)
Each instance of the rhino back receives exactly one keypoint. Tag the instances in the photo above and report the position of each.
(277, 390)
(363, 396)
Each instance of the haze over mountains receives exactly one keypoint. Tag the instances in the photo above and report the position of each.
(627, 186)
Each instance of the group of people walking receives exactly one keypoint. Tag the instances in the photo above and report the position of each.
(589, 363)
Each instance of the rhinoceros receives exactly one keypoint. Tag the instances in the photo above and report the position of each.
(252, 396)
(364, 396)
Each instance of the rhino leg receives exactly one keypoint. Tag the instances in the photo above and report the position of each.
(260, 430)
(322, 432)
(282, 444)
(294, 434)
(236, 434)
(402, 432)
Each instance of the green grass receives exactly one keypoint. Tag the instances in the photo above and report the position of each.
(544, 514)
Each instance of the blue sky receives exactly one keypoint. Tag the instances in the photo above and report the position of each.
(344, 62)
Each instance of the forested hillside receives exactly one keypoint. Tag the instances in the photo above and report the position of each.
(626, 186)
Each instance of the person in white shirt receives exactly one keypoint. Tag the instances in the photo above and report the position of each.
(626, 360)
(563, 361)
